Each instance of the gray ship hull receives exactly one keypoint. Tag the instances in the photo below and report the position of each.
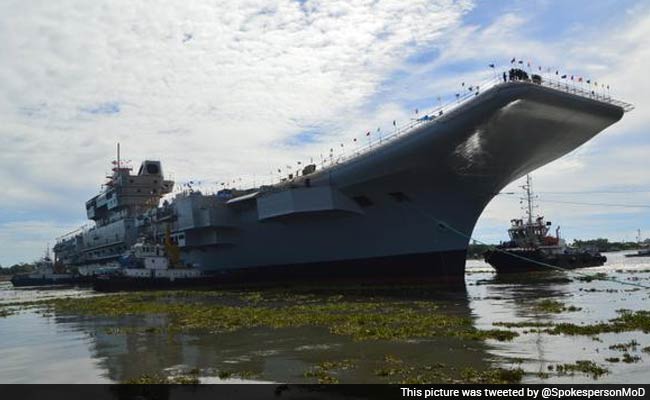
(403, 211)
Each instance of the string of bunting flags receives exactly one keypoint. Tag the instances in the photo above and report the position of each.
(516, 70)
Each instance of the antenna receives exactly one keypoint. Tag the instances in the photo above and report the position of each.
(118, 155)
(530, 197)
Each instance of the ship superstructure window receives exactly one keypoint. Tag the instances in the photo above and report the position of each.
(363, 201)
(399, 197)
(152, 168)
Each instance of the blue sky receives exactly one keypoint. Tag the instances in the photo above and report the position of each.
(239, 90)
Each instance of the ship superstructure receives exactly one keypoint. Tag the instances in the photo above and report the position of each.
(120, 212)
(402, 209)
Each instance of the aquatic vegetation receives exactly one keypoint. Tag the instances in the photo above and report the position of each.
(11, 308)
(224, 374)
(528, 324)
(552, 306)
(245, 374)
(5, 312)
(157, 379)
(596, 277)
(492, 375)
(399, 372)
(584, 366)
(631, 345)
(628, 358)
(393, 366)
(646, 349)
(613, 359)
(594, 290)
(323, 371)
(379, 319)
(626, 321)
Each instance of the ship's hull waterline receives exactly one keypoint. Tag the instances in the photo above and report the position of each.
(400, 212)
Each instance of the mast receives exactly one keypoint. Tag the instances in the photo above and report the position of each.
(528, 191)
(118, 155)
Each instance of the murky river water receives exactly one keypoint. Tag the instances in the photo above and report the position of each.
(51, 348)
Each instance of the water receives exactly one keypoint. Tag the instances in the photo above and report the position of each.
(38, 347)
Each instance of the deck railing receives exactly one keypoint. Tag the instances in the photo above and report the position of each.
(470, 91)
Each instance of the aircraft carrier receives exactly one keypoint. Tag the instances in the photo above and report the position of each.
(397, 211)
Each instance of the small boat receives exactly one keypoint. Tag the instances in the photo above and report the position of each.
(530, 248)
(149, 265)
(643, 251)
(46, 273)
(640, 253)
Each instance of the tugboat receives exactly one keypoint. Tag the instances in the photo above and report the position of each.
(643, 251)
(149, 265)
(640, 253)
(47, 273)
(530, 248)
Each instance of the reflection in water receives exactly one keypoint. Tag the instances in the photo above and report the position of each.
(73, 348)
(280, 355)
(514, 298)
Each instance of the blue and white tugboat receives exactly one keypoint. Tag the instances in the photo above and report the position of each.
(530, 248)
(150, 265)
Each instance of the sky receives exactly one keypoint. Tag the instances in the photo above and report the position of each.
(227, 90)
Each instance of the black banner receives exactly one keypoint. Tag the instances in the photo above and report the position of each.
(323, 392)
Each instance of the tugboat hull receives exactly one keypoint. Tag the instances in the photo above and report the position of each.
(512, 261)
(19, 281)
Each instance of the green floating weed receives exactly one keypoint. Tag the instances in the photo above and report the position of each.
(492, 375)
(627, 321)
(583, 366)
(596, 277)
(157, 379)
(361, 320)
(399, 372)
(323, 371)
(556, 307)
(629, 359)
(531, 324)
(631, 345)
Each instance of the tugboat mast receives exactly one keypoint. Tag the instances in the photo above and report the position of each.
(528, 190)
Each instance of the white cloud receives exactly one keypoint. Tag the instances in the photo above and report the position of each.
(213, 89)
(27, 240)
(616, 54)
